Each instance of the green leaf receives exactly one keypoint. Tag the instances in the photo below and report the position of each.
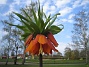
(57, 14)
(27, 25)
(40, 19)
(47, 21)
(55, 29)
(34, 14)
(45, 15)
(27, 14)
(51, 22)
(25, 35)
(20, 16)
(27, 22)
(40, 15)
(23, 28)
(31, 25)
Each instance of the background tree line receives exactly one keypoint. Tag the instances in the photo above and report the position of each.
(80, 37)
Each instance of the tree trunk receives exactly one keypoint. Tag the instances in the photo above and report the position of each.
(86, 57)
(40, 61)
(23, 60)
(7, 60)
(15, 61)
(7, 56)
(86, 54)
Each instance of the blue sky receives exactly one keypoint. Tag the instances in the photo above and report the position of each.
(67, 8)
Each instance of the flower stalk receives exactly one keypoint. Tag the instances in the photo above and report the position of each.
(40, 60)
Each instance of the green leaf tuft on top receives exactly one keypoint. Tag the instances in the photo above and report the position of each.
(38, 24)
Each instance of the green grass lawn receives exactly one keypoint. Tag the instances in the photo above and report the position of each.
(48, 61)
(45, 65)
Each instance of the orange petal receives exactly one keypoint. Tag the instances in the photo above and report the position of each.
(36, 49)
(42, 39)
(52, 39)
(37, 36)
(51, 45)
(28, 40)
(30, 46)
(46, 49)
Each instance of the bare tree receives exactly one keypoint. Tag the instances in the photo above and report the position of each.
(80, 30)
(7, 28)
(12, 37)
(17, 43)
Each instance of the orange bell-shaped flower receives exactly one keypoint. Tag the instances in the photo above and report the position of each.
(46, 49)
(30, 46)
(35, 49)
(51, 45)
(42, 39)
(28, 40)
(52, 39)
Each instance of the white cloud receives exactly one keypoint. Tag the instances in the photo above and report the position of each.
(52, 8)
(71, 16)
(42, 1)
(67, 36)
(65, 20)
(69, 19)
(16, 2)
(80, 3)
(46, 7)
(11, 9)
(3, 1)
(61, 47)
(65, 11)
(28, 2)
(84, 2)
(0, 38)
(61, 3)
(2, 33)
(76, 4)
(56, 23)
(21, 2)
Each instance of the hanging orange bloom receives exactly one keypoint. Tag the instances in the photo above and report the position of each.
(51, 45)
(30, 46)
(35, 49)
(52, 39)
(46, 49)
(37, 36)
(28, 40)
(40, 44)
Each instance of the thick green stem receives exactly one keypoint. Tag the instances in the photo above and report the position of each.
(40, 61)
